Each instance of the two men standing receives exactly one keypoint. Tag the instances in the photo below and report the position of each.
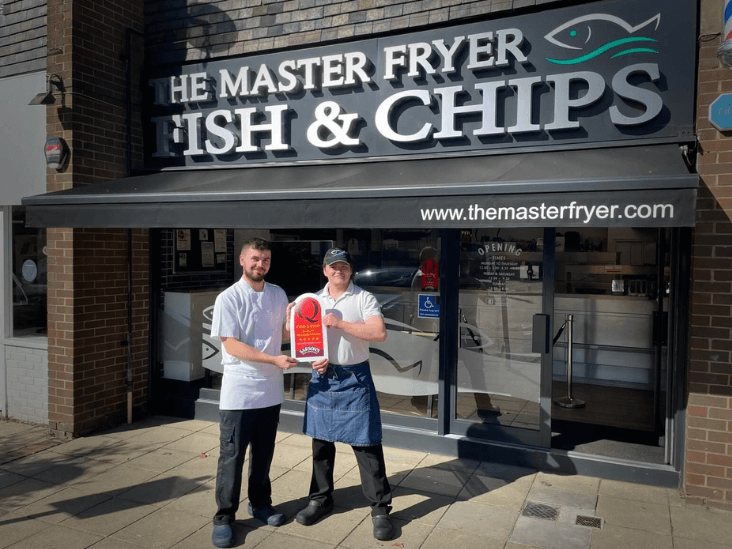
(251, 318)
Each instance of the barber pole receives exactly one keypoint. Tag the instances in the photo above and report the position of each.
(724, 52)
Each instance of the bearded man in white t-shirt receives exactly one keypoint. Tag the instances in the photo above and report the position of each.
(250, 318)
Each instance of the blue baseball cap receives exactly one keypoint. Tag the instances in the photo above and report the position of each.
(336, 255)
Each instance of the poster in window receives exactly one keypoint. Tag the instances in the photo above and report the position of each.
(183, 240)
(196, 250)
(207, 255)
(220, 240)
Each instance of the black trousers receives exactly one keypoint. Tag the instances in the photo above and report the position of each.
(371, 467)
(239, 429)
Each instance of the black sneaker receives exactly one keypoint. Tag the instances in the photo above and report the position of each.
(383, 528)
(313, 512)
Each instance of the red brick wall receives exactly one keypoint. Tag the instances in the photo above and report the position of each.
(88, 269)
(708, 459)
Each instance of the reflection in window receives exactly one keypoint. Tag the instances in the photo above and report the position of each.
(28, 278)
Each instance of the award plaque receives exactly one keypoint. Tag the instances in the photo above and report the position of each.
(308, 336)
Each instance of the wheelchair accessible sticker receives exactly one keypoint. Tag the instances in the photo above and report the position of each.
(428, 306)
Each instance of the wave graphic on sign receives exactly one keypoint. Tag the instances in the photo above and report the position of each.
(577, 35)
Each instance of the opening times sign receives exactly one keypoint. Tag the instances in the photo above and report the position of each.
(597, 72)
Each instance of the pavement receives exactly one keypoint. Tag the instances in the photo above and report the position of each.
(151, 485)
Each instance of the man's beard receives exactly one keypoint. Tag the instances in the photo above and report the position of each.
(254, 276)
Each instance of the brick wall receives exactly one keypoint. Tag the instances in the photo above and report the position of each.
(178, 34)
(708, 460)
(88, 269)
(22, 37)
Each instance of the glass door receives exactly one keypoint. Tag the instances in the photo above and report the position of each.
(499, 375)
(612, 289)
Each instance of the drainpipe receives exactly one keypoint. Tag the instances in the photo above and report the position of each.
(128, 380)
(128, 172)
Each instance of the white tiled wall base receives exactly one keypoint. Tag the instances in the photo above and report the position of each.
(27, 382)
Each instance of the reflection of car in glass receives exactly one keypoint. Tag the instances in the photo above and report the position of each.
(400, 277)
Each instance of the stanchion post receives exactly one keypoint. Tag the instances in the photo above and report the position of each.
(569, 401)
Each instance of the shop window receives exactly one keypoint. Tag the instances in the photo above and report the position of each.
(401, 268)
(28, 278)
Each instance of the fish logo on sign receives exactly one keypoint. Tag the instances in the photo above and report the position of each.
(577, 34)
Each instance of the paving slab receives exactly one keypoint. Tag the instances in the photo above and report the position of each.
(162, 489)
(31, 465)
(634, 491)
(450, 463)
(437, 481)
(457, 539)
(637, 515)
(414, 505)
(496, 491)
(560, 498)
(275, 540)
(579, 484)
(698, 523)
(613, 537)
(61, 505)
(56, 536)
(197, 443)
(483, 520)
(25, 492)
(161, 459)
(14, 528)
(109, 517)
(161, 529)
(550, 534)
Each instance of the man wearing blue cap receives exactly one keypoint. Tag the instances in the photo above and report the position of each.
(341, 403)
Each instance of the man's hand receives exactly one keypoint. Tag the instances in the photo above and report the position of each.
(321, 365)
(332, 321)
(284, 362)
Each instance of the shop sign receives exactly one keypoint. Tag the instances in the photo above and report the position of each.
(309, 337)
(720, 112)
(601, 72)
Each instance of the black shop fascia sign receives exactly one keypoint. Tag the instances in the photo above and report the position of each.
(597, 74)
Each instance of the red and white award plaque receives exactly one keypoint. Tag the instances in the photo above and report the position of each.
(308, 336)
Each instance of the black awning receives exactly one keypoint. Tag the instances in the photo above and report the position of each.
(638, 186)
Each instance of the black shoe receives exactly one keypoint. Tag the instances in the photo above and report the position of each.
(383, 528)
(313, 512)
(268, 515)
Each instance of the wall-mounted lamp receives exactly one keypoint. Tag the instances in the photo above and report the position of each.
(56, 151)
(46, 97)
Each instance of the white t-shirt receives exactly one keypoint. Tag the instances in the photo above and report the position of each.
(254, 318)
(355, 305)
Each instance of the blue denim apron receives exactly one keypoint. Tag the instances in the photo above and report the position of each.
(342, 406)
